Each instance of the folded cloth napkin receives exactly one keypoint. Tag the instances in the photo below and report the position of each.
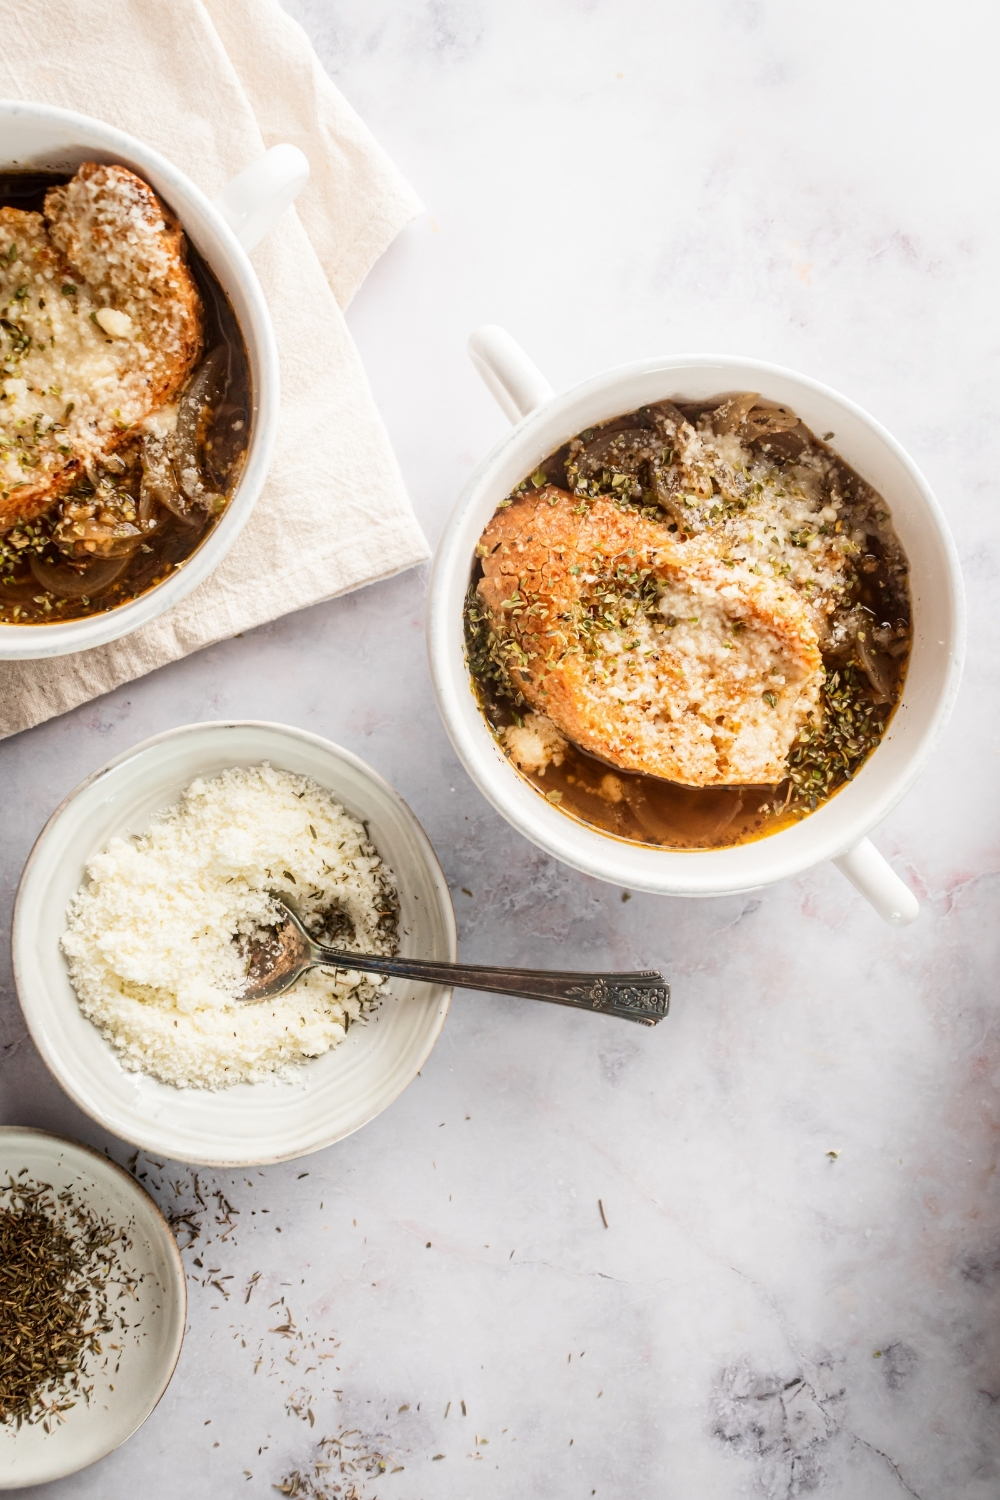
(211, 84)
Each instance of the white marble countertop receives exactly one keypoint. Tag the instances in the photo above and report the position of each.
(798, 1287)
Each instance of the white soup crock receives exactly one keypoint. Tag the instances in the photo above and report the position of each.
(839, 829)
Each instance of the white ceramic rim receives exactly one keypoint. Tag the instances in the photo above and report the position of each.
(179, 1285)
(684, 873)
(219, 246)
(20, 959)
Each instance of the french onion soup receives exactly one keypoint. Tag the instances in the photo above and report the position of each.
(124, 394)
(689, 627)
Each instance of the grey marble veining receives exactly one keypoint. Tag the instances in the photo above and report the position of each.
(798, 1288)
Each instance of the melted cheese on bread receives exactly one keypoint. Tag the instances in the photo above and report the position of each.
(100, 325)
(647, 653)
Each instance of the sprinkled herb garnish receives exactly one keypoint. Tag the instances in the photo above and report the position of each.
(492, 655)
(619, 595)
(826, 755)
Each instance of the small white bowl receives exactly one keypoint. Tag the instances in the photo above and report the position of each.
(248, 1124)
(131, 1382)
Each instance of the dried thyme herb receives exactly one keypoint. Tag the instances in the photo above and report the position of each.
(341, 1465)
(57, 1266)
(621, 487)
(18, 544)
(827, 754)
(492, 655)
(621, 594)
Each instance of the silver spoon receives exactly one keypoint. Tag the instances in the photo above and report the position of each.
(278, 957)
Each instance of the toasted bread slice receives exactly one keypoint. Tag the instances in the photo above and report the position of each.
(100, 325)
(651, 654)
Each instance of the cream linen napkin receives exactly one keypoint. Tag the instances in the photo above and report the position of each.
(211, 85)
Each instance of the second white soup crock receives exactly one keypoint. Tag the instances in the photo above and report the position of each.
(223, 230)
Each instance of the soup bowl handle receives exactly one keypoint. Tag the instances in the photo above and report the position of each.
(517, 384)
(253, 201)
(871, 874)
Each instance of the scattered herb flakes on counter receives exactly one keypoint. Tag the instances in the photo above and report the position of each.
(346, 1457)
(197, 1205)
(281, 1344)
(60, 1267)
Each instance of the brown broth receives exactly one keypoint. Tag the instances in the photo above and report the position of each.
(225, 438)
(650, 810)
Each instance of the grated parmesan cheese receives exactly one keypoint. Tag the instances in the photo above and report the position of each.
(150, 936)
(786, 524)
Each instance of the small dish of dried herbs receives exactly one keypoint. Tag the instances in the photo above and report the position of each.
(92, 1306)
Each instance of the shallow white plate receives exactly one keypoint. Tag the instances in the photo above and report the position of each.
(122, 1397)
(330, 1096)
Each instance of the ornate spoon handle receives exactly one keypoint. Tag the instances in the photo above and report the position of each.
(643, 996)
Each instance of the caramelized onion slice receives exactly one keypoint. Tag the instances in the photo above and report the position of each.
(669, 419)
(119, 541)
(763, 422)
(734, 412)
(159, 488)
(189, 413)
(877, 667)
(228, 434)
(151, 516)
(623, 452)
(67, 582)
(92, 539)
